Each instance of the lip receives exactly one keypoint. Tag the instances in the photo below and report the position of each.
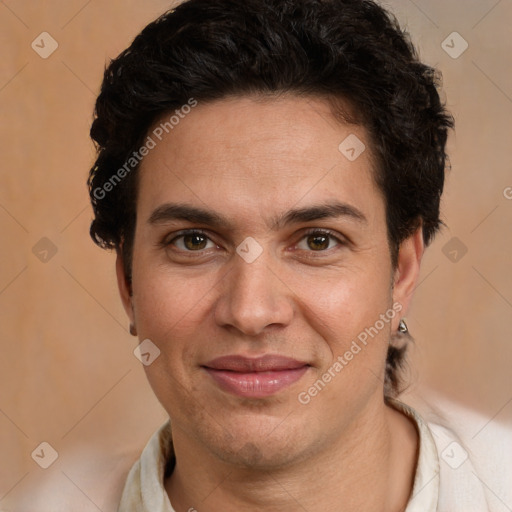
(258, 377)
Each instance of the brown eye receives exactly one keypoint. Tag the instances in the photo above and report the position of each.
(192, 242)
(195, 242)
(318, 242)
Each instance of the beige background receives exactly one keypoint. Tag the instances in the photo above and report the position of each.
(68, 373)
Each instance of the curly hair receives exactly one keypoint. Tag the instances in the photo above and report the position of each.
(351, 50)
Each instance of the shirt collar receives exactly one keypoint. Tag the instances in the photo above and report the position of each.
(144, 489)
(425, 491)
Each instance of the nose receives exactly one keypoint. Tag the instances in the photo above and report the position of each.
(253, 298)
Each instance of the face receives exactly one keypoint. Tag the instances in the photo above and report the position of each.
(260, 259)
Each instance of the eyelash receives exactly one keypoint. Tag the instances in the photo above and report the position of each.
(326, 232)
(312, 231)
(187, 232)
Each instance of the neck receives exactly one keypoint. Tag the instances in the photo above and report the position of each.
(370, 466)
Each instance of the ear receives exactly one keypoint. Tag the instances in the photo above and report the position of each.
(124, 287)
(407, 272)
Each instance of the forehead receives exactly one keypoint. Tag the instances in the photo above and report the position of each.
(257, 154)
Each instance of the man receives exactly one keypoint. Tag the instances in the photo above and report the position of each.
(269, 173)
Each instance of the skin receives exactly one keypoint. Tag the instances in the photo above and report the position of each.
(251, 160)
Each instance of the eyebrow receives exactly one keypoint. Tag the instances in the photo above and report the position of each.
(175, 211)
(324, 211)
(172, 211)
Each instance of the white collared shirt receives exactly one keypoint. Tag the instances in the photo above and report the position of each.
(449, 487)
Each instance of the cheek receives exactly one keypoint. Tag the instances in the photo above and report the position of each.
(354, 346)
(174, 310)
(343, 304)
(170, 311)
(166, 302)
(344, 313)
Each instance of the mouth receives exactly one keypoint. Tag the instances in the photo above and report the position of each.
(255, 377)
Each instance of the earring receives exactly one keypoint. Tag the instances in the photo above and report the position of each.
(133, 330)
(402, 327)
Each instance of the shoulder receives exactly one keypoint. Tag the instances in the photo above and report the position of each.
(474, 452)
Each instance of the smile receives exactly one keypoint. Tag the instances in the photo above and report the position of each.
(255, 377)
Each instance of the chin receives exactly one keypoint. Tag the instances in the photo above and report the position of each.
(257, 443)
